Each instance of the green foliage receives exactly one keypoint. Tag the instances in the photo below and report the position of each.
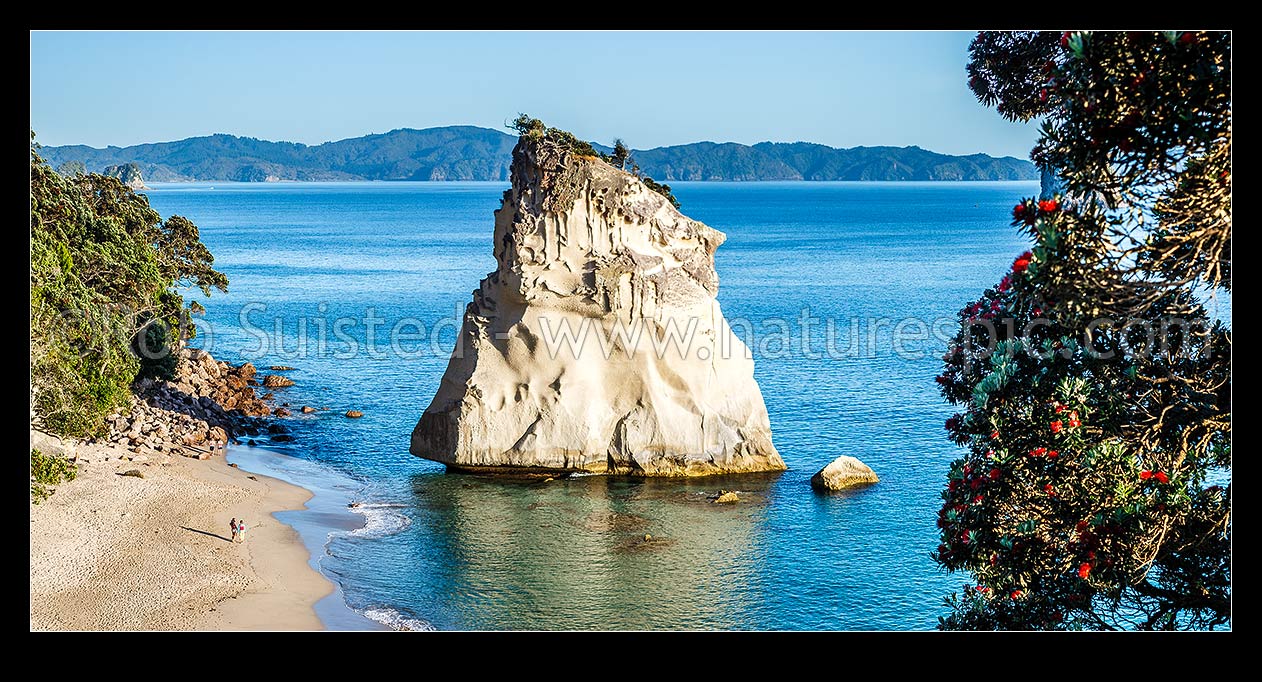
(1095, 489)
(534, 129)
(103, 266)
(660, 188)
(621, 154)
(72, 168)
(48, 471)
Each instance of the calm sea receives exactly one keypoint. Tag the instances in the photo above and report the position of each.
(879, 263)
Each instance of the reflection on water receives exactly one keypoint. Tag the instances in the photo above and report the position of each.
(589, 552)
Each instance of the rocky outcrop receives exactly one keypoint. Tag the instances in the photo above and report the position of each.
(128, 174)
(597, 344)
(205, 405)
(843, 472)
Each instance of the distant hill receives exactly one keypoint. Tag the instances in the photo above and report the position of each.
(472, 153)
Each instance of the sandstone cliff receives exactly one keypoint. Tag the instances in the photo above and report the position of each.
(597, 344)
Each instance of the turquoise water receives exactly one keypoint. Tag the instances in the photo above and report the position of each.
(461, 552)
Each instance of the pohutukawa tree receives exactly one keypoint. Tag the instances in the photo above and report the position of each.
(1095, 380)
(106, 277)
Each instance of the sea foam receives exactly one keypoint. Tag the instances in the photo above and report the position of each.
(381, 519)
(397, 621)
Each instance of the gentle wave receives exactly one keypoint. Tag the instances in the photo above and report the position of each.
(380, 520)
(397, 621)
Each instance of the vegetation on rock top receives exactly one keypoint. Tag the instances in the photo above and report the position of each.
(534, 129)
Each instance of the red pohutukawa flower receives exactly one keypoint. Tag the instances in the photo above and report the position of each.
(1052, 454)
(1145, 475)
(1161, 477)
(1038, 452)
(1057, 426)
(1016, 594)
(1020, 264)
(1018, 210)
(1049, 205)
(1084, 570)
(994, 474)
(994, 434)
(1049, 490)
(1064, 40)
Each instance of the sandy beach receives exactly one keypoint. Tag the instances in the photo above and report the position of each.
(112, 552)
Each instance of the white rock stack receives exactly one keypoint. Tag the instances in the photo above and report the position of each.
(597, 344)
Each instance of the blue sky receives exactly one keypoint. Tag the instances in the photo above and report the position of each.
(838, 88)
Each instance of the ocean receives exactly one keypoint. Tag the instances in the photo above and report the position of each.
(360, 287)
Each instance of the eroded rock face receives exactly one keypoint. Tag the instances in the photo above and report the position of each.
(597, 344)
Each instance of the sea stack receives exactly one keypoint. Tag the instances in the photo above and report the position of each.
(597, 344)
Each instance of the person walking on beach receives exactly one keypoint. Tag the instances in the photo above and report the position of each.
(241, 530)
(234, 528)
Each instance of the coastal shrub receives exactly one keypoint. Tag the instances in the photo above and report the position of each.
(1095, 487)
(48, 471)
(535, 129)
(104, 267)
(75, 167)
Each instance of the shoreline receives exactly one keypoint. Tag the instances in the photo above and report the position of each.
(325, 512)
(113, 552)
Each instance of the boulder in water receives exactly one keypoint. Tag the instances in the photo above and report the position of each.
(843, 472)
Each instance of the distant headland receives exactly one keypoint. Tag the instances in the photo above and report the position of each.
(474, 153)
